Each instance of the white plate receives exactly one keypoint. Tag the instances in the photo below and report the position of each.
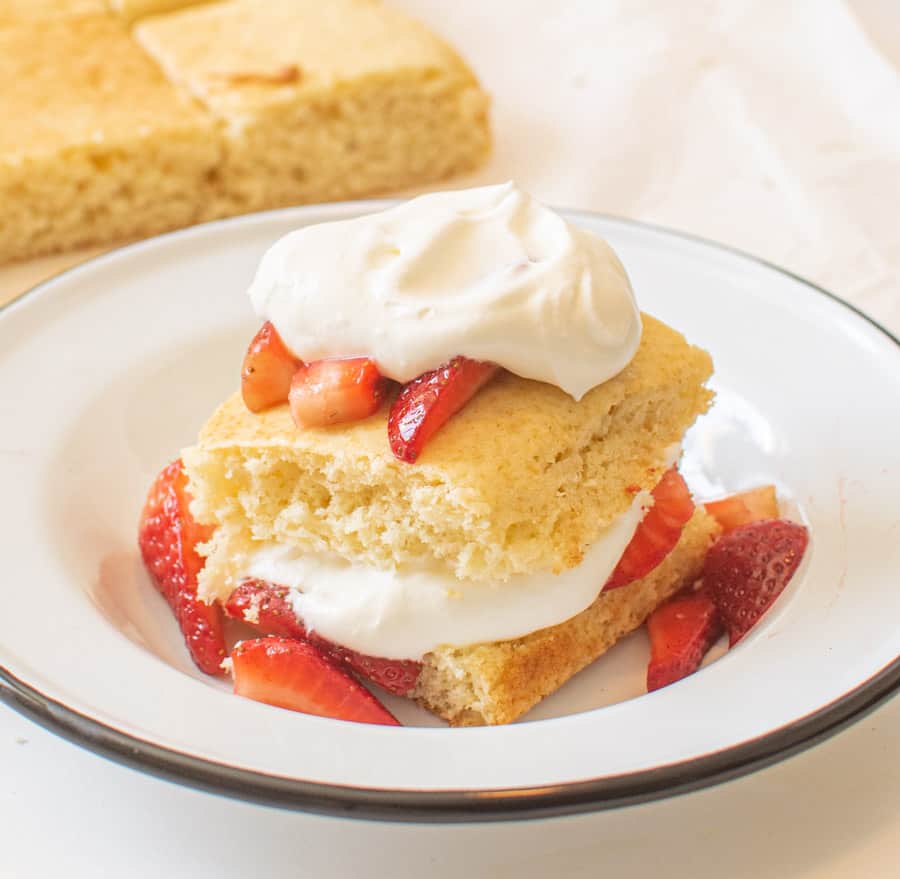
(109, 369)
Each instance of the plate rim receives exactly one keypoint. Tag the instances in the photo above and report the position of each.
(450, 806)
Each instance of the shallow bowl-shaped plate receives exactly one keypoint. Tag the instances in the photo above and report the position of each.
(108, 370)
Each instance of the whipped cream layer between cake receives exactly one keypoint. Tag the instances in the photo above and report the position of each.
(406, 613)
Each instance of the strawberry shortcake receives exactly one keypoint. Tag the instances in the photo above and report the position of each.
(451, 470)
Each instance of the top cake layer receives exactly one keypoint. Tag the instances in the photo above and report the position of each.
(523, 479)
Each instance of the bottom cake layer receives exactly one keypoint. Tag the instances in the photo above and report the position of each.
(497, 683)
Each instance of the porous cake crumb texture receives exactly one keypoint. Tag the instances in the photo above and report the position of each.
(497, 683)
(523, 479)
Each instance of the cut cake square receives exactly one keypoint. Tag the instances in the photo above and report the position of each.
(322, 101)
(97, 145)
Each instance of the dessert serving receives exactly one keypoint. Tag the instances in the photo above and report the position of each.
(452, 472)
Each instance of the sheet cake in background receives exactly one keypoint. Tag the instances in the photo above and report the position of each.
(217, 108)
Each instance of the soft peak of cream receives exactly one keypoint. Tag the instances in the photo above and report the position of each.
(487, 273)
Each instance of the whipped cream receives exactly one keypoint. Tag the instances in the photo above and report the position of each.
(404, 614)
(486, 273)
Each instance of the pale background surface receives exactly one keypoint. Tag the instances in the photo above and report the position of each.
(771, 126)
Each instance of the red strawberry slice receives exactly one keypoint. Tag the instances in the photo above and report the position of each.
(296, 675)
(748, 568)
(267, 371)
(168, 536)
(681, 632)
(267, 606)
(658, 532)
(747, 506)
(397, 676)
(336, 391)
(427, 402)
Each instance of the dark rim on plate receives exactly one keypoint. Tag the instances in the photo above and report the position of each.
(435, 806)
(452, 806)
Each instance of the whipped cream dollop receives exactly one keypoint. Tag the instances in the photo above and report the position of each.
(486, 273)
(404, 614)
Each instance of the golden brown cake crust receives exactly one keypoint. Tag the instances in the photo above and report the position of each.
(497, 683)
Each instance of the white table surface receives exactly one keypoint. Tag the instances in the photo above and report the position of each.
(832, 811)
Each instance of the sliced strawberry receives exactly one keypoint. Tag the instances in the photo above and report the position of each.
(296, 675)
(427, 402)
(681, 632)
(658, 532)
(168, 536)
(267, 371)
(740, 509)
(267, 606)
(747, 569)
(335, 391)
(397, 676)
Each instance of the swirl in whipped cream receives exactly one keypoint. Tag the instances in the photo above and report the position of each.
(486, 273)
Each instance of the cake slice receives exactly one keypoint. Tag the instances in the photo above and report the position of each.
(523, 481)
(322, 101)
(97, 145)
